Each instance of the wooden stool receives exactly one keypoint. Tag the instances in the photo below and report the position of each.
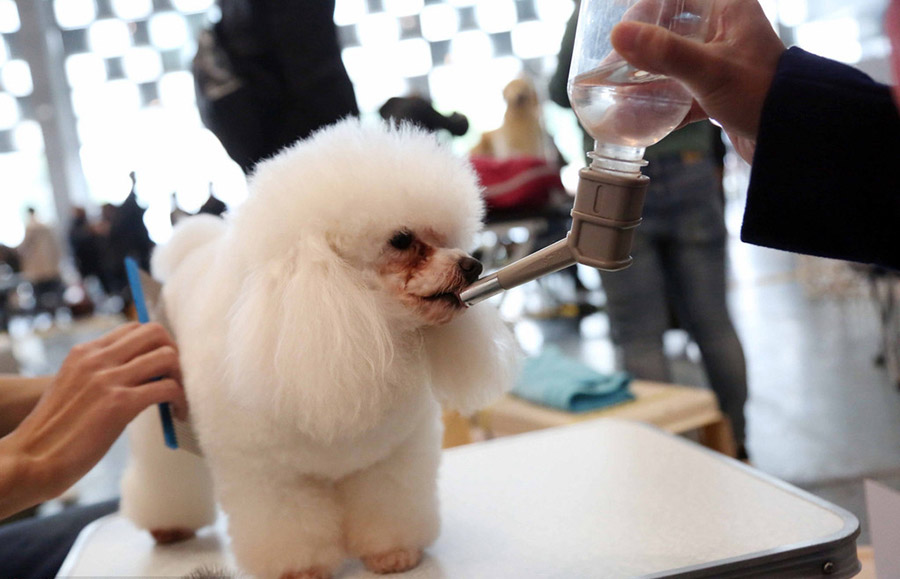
(676, 409)
(867, 559)
(456, 429)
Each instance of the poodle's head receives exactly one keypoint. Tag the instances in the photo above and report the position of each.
(352, 251)
(424, 276)
(389, 206)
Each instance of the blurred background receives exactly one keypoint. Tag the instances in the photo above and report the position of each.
(91, 90)
(98, 102)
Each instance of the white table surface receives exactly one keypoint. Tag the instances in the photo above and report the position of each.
(607, 498)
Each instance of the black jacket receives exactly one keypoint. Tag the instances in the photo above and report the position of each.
(290, 79)
(826, 173)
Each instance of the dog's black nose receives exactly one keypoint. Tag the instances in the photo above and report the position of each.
(471, 268)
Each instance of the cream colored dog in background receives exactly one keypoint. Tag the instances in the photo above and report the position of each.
(320, 331)
(522, 132)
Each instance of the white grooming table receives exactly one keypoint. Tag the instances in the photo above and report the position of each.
(607, 498)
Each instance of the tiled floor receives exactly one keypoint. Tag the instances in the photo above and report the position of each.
(821, 414)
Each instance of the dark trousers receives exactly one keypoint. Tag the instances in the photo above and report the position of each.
(36, 548)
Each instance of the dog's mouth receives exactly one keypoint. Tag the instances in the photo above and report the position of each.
(450, 298)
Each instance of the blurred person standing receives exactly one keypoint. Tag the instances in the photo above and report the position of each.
(213, 205)
(678, 277)
(86, 246)
(128, 237)
(270, 73)
(679, 272)
(40, 255)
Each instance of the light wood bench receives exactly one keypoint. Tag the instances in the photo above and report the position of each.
(675, 409)
(867, 559)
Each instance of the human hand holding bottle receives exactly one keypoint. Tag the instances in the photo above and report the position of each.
(729, 76)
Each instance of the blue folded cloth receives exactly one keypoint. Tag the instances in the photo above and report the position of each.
(555, 380)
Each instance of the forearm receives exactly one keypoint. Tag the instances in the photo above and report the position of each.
(19, 484)
(18, 397)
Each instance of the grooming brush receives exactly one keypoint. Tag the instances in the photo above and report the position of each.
(176, 433)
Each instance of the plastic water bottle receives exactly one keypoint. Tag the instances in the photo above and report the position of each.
(624, 109)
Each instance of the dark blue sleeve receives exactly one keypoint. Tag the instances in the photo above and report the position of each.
(826, 173)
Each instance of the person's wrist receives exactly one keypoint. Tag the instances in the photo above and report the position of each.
(22, 484)
(18, 398)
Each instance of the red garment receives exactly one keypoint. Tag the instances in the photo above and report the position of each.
(517, 183)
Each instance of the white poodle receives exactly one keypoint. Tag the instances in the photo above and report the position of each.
(319, 331)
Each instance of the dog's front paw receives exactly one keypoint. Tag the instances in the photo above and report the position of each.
(395, 561)
(167, 536)
(313, 573)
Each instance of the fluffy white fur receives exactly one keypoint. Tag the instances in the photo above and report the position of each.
(314, 367)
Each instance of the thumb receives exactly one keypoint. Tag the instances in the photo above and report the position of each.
(657, 50)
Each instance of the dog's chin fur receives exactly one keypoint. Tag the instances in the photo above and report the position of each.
(314, 365)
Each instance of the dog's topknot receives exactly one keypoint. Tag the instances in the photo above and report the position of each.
(402, 176)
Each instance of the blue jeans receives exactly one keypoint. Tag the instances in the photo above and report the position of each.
(679, 267)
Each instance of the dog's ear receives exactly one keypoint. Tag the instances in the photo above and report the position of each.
(473, 359)
(307, 340)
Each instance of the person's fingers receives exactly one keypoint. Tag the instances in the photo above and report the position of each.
(162, 361)
(657, 50)
(745, 147)
(141, 339)
(685, 17)
(166, 390)
(180, 408)
(114, 335)
(694, 114)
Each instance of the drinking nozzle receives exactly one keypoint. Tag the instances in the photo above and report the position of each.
(606, 211)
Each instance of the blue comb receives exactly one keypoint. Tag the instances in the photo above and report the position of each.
(137, 294)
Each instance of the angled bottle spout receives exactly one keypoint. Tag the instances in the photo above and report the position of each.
(607, 208)
(552, 258)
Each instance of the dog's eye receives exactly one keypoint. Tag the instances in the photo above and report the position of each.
(402, 240)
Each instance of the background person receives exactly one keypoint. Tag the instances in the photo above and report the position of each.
(269, 73)
(40, 255)
(679, 268)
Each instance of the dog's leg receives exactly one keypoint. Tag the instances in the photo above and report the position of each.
(168, 492)
(391, 509)
(284, 526)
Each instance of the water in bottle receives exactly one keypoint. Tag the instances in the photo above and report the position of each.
(620, 105)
